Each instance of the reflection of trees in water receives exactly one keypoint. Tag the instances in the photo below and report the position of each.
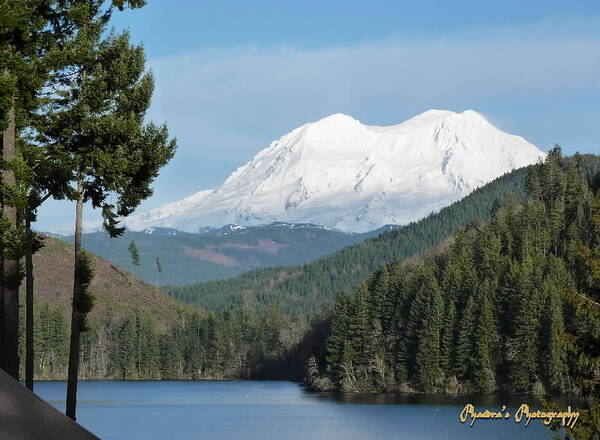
(485, 401)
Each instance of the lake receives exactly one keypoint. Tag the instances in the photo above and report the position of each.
(248, 410)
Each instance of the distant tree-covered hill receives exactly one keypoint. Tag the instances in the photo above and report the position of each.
(188, 258)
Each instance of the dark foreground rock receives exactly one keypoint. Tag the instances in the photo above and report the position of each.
(24, 416)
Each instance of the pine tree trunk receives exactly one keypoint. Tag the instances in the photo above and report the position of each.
(29, 307)
(10, 330)
(2, 356)
(75, 317)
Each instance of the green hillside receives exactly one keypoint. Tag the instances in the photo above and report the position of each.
(139, 332)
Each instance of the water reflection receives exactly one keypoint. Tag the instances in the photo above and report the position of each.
(483, 400)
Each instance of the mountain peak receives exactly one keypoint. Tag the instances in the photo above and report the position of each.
(343, 121)
(472, 113)
(336, 117)
(340, 173)
(472, 116)
(335, 122)
(435, 113)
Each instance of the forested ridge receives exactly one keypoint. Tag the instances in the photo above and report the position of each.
(188, 258)
(512, 305)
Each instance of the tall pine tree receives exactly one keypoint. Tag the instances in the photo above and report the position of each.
(97, 123)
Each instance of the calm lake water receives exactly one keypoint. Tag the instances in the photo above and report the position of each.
(248, 410)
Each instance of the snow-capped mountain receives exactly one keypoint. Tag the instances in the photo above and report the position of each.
(340, 173)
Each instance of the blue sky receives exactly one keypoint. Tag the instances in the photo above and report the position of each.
(231, 76)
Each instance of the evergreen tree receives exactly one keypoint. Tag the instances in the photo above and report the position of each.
(379, 288)
(525, 325)
(22, 25)
(459, 278)
(448, 338)
(274, 326)
(553, 186)
(158, 268)
(427, 360)
(336, 340)
(425, 284)
(133, 252)
(465, 336)
(395, 332)
(32, 33)
(485, 341)
(359, 330)
(96, 122)
(553, 335)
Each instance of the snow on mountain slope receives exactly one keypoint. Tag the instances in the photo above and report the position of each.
(340, 173)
